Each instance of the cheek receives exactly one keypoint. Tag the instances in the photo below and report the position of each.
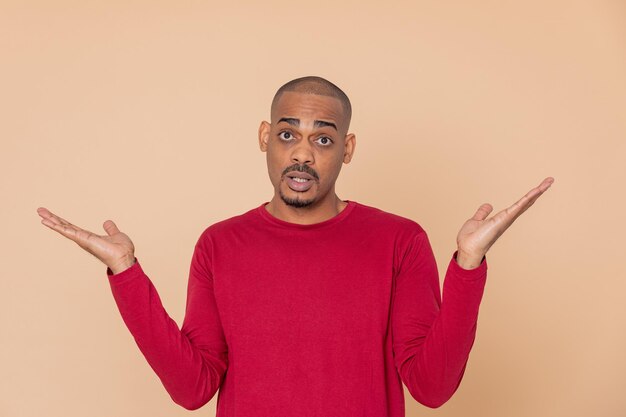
(330, 170)
(334, 164)
(275, 164)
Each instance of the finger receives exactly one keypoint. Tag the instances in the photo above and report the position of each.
(78, 235)
(64, 229)
(521, 205)
(110, 227)
(546, 183)
(47, 214)
(541, 188)
(482, 212)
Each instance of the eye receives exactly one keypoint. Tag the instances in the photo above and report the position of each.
(285, 135)
(325, 141)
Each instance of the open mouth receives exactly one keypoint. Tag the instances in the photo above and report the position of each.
(299, 184)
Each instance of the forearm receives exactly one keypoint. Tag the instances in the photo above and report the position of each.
(436, 369)
(190, 374)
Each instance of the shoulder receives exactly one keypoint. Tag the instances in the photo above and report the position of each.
(228, 225)
(405, 236)
(378, 218)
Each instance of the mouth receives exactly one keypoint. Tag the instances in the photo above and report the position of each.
(299, 181)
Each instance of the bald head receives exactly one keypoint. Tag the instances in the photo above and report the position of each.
(319, 86)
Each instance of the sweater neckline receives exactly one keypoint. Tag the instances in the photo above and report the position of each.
(333, 220)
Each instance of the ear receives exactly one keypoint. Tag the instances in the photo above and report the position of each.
(264, 135)
(350, 144)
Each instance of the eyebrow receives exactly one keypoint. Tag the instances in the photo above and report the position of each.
(317, 123)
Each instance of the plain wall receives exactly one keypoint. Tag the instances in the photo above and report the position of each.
(147, 113)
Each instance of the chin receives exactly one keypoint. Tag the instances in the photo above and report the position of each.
(296, 201)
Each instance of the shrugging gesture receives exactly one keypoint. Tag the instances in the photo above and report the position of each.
(115, 249)
(479, 232)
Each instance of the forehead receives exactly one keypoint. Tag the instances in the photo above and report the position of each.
(307, 106)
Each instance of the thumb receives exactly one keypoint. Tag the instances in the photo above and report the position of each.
(110, 227)
(482, 212)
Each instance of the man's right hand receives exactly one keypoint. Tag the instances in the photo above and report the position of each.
(115, 249)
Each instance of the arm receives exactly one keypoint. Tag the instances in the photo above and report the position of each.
(432, 340)
(190, 362)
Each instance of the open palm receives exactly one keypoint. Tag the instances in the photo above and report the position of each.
(115, 249)
(479, 232)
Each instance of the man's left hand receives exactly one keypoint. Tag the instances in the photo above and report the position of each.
(479, 233)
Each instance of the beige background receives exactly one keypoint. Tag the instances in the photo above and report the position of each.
(147, 113)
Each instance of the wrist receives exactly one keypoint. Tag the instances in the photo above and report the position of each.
(123, 265)
(468, 261)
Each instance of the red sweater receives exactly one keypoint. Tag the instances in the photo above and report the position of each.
(326, 319)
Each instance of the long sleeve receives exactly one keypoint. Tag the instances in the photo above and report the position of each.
(432, 339)
(190, 362)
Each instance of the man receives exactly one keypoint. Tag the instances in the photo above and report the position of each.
(308, 305)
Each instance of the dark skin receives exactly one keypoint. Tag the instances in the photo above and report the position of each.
(477, 234)
(301, 138)
(294, 139)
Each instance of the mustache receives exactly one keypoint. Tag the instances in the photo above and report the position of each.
(301, 168)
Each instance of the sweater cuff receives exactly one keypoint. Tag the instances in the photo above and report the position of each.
(474, 274)
(125, 275)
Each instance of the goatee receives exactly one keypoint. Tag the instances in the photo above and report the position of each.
(295, 202)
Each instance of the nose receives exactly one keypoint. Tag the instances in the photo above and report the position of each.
(302, 154)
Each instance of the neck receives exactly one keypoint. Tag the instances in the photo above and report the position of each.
(315, 213)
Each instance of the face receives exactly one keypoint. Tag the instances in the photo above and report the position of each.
(307, 138)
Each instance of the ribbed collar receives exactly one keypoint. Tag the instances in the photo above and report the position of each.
(333, 220)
